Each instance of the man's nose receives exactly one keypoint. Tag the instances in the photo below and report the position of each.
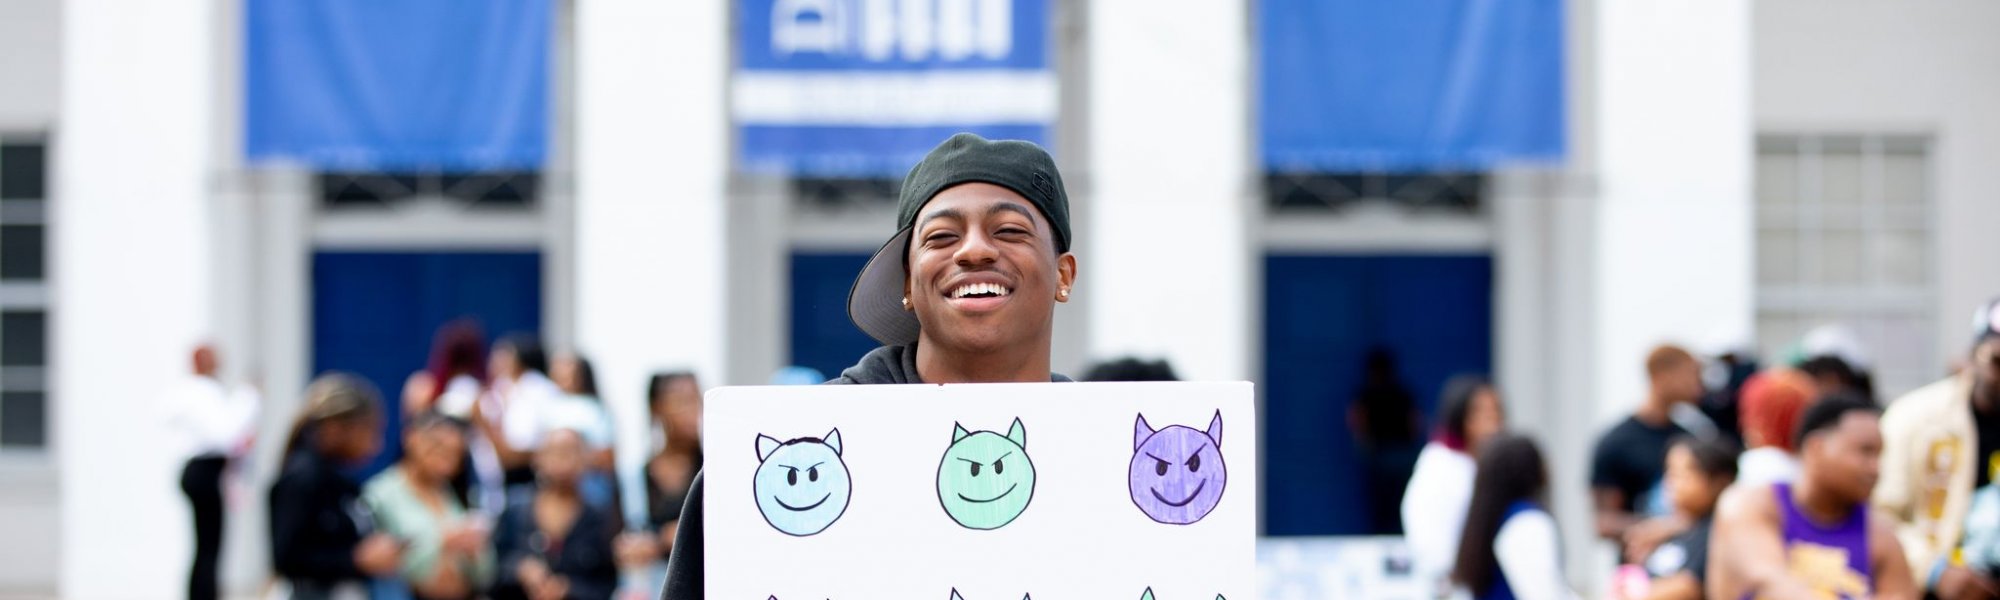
(977, 248)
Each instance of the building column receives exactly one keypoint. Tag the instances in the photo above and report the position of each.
(1166, 261)
(1673, 152)
(651, 170)
(1670, 259)
(131, 283)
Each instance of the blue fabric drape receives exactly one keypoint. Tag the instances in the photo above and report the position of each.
(845, 50)
(1409, 85)
(397, 85)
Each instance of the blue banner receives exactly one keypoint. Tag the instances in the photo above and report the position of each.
(1410, 85)
(396, 85)
(863, 88)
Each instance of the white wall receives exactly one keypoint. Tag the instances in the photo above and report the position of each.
(1544, 232)
(1170, 269)
(1852, 66)
(28, 481)
(1669, 230)
(1673, 152)
(271, 347)
(132, 290)
(29, 515)
(29, 39)
(1547, 304)
(651, 160)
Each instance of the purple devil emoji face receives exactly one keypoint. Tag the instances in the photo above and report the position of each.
(1177, 473)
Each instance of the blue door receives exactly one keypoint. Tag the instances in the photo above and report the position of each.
(822, 336)
(1323, 315)
(374, 312)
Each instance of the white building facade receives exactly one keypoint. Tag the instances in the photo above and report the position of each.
(1734, 171)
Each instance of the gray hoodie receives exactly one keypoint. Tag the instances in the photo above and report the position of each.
(893, 364)
(884, 365)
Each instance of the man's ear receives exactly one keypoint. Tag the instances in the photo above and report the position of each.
(1066, 272)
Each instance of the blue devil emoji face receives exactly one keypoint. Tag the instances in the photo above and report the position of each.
(802, 485)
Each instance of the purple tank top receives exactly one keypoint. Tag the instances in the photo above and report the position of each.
(1831, 559)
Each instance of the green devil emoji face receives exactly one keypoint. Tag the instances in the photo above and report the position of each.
(986, 479)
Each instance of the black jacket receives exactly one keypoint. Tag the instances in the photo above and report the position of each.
(316, 521)
(881, 366)
(584, 555)
(663, 505)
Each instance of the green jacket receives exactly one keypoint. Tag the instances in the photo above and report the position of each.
(398, 512)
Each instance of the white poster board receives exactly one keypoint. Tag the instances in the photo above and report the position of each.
(920, 491)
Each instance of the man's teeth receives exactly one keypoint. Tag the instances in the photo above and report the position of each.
(972, 289)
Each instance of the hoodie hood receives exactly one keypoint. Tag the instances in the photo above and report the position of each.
(893, 365)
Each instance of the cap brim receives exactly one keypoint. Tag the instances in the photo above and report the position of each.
(875, 303)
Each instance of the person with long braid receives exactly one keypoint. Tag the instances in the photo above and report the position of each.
(1510, 549)
(321, 540)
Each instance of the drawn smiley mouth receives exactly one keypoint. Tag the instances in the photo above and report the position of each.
(1183, 502)
(822, 500)
(1010, 490)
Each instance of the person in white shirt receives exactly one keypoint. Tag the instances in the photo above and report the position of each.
(513, 415)
(1510, 549)
(1434, 504)
(580, 409)
(209, 425)
(1770, 409)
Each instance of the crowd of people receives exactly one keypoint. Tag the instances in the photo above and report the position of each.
(1834, 497)
(508, 486)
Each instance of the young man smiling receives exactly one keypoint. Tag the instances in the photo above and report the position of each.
(965, 292)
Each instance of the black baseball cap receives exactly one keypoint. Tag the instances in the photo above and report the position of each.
(875, 303)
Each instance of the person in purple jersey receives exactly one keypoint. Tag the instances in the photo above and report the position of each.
(1814, 539)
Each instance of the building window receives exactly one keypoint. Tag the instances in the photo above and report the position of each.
(1845, 230)
(23, 293)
